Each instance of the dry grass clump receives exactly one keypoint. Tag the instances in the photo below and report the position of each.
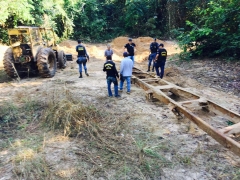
(34, 168)
(24, 155)
(71, 115)
(110, 150)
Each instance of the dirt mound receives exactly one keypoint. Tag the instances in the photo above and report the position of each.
(68, 43)
(142, 47)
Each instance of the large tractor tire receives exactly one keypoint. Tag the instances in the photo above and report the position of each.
(8, 63)
(62, 60)
(46, 62)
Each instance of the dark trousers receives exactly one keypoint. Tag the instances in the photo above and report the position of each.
(160, 65)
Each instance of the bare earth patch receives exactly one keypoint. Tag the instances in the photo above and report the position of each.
(109, 138)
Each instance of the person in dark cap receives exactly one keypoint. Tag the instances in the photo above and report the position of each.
(160, 60)
(153, 53)
(130, 49)
(112, 75)
(126, 72)
(82, 58)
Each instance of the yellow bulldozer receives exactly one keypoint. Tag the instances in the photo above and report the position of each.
(33, 50)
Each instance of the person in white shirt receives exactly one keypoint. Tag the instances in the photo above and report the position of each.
(126, 72)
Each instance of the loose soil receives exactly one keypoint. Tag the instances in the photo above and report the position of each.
(145, 140)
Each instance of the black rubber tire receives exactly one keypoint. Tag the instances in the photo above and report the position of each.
(62, 60)
(46, 62)
(8, 66)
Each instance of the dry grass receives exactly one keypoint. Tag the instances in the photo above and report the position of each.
(103, 142)
(110, 150)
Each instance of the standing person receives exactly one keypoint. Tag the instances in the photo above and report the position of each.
(112, 75)
(108, 52)
(153, 53)
(126, 72)
(82, 58)
(130, 49)
(160, 60)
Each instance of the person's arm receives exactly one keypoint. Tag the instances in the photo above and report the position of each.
(105, 53)
(116, 72)
(156, 56)
(104, 68)
(234, 129)
(150, 48)
(76, 48)
(125, 48)
(134, 49)
(86, 54)
(121, 67)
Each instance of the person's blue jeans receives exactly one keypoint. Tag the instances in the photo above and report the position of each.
(128, 79)
(82, 62)
(113, 80)
(160, 65)
(152, 56)
(132, 58)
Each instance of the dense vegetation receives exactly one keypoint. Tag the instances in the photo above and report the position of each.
(205, 27)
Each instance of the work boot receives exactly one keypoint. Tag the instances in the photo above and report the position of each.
(86, 73)
(80, 75)
(148, 69)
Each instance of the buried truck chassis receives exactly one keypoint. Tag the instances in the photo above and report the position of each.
(33, 50)
(180, 102)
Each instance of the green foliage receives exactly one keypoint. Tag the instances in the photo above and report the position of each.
(202, 27)
(216, 31)
(139, 17)
(16, 11)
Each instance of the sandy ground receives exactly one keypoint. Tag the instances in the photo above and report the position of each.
(209, 160)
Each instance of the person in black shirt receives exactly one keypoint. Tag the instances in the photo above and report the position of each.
(112, 75)
(82, 58)
(152, 56)
(130, 49)
(160, 60)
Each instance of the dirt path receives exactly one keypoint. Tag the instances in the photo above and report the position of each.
(186, 151)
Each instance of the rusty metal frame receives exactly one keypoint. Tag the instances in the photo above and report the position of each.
(139, 78)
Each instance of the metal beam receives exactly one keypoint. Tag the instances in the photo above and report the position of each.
(158, 89)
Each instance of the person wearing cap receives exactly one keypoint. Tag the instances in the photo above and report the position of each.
(82, 58)
(112, 75)
(130, 49)
(108, 51)
(153, 53)
(126, 72)
(160, 60)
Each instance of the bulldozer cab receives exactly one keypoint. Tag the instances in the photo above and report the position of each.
(33, 50)
(27, 40)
